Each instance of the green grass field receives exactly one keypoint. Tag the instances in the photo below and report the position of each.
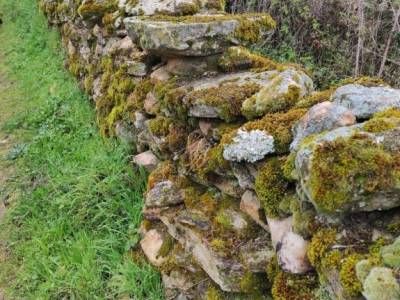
(69, 233)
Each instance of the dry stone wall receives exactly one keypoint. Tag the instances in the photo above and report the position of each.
(259, 186)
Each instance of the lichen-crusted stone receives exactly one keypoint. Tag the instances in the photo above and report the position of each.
(227, 272)
(222, 96)
(163, 194)
(321, 117)
(280, 94)
(349, 170)
(199, 36)
(381, 284)
(365, 101)
(168, 7)
(391, 254)
(249, 146)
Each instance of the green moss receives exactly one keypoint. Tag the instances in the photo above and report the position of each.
(278, 125)
(214, 294)
(391, 254)
(288, 286)
(272, 269)
(112, 106)
(227, 98)
(223, 220)
(341, 166)
(363, 80)
(303, 219)
(137, 98)
(240, 58)
(159, 126)
(253, 283)
(94, 9)
(289, 167)
(215, 4)
(188, 8)
(219, 245)
(381, 284)
(251, 29)
(383, 121)
(320, 244)
(271, 99)
(331, 260)
(271, 187)
(88, 84)
(167, 245)
(165, 170)
(315, 98)
(394, 228)
(348, 277)
(75, 66)
(206, 202)
(170, 97)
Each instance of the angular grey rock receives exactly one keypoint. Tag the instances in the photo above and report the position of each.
(359, 199)
(321, 117)
(365, 101)
(163, 194)
(147, 160)
(249, 146)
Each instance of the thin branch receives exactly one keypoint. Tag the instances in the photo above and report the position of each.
(396, 15)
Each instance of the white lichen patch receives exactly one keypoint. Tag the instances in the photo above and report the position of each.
(249, 146)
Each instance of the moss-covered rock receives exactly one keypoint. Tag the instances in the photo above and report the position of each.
(345, 170)
(391, 254)
(287, 286)
(279, 95)
(90, 9)
(381, 284)
(197, 35)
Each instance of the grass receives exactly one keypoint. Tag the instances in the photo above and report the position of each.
(70, 232)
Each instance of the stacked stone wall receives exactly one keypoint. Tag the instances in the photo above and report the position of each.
(259, 186)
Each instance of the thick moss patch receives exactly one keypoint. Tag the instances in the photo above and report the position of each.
(227, 98)
(347, 164)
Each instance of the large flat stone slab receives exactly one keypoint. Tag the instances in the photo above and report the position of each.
(200, 35)
(168, 7)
